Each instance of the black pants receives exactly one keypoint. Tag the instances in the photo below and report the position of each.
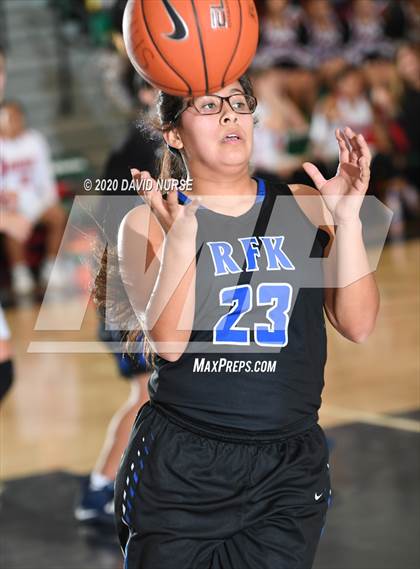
(188, 497)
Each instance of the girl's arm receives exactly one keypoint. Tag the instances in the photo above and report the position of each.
(157, 259)
(351, 293)
(352, 309)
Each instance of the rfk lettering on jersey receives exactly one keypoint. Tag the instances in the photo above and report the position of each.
(267, 251)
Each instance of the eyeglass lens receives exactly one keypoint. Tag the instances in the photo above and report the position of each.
(212, 104)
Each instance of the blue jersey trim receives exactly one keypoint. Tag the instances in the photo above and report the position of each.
(184, 199)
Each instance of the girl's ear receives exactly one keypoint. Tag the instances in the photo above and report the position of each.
(173, 139)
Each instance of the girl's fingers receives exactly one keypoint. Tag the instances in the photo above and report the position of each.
(364, 148)
(361, 183)
(164, 206)
(364, 169)
(313, 172)
(151, 185)
(172, 199)
(359, 144)
(354, 158)
(355, 153)
(360, 154)
(152, 196)
(351, 137)
(140, 187)
(147, 189)
(344, 155)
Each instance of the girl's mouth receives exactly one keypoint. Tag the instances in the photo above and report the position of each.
(232, 138)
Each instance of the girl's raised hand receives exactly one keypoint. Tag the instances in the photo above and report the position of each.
(177, 220)
(343, 194)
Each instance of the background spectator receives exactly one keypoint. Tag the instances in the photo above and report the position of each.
(367, 22)
(281, 45)
(347, 105)
(279, 120)
(324, 36)
(28, 187)
(136, 150)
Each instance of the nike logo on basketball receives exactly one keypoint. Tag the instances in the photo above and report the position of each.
(180, 30)
(318, 496)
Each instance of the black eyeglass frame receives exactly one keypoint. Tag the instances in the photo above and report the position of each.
(222, 100)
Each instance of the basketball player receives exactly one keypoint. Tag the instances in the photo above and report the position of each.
(226, 468)
(96, 504)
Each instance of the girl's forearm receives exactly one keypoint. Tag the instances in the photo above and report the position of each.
(169, 314)
(354, 293)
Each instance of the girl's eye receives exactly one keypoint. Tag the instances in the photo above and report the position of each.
(239, 103)
(206, 105)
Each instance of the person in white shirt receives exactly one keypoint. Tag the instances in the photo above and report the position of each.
(348, 104)
(278, 120)
(28, 187)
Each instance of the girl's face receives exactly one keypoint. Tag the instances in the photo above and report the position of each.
(215, 143)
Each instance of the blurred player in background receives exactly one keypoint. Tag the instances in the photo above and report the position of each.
(96, 503)
(28, 188)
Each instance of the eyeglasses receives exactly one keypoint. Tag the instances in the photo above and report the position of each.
(213, 104)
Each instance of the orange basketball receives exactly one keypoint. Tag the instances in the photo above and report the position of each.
(190, 47)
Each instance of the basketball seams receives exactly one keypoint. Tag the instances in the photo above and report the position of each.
(200, 39)
(134, 47)
(162, 56)
(236, 46)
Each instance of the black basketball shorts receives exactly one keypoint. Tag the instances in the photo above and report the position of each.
(189, 496)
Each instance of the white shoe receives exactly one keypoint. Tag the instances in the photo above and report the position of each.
(52, 274)
(22, 280)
